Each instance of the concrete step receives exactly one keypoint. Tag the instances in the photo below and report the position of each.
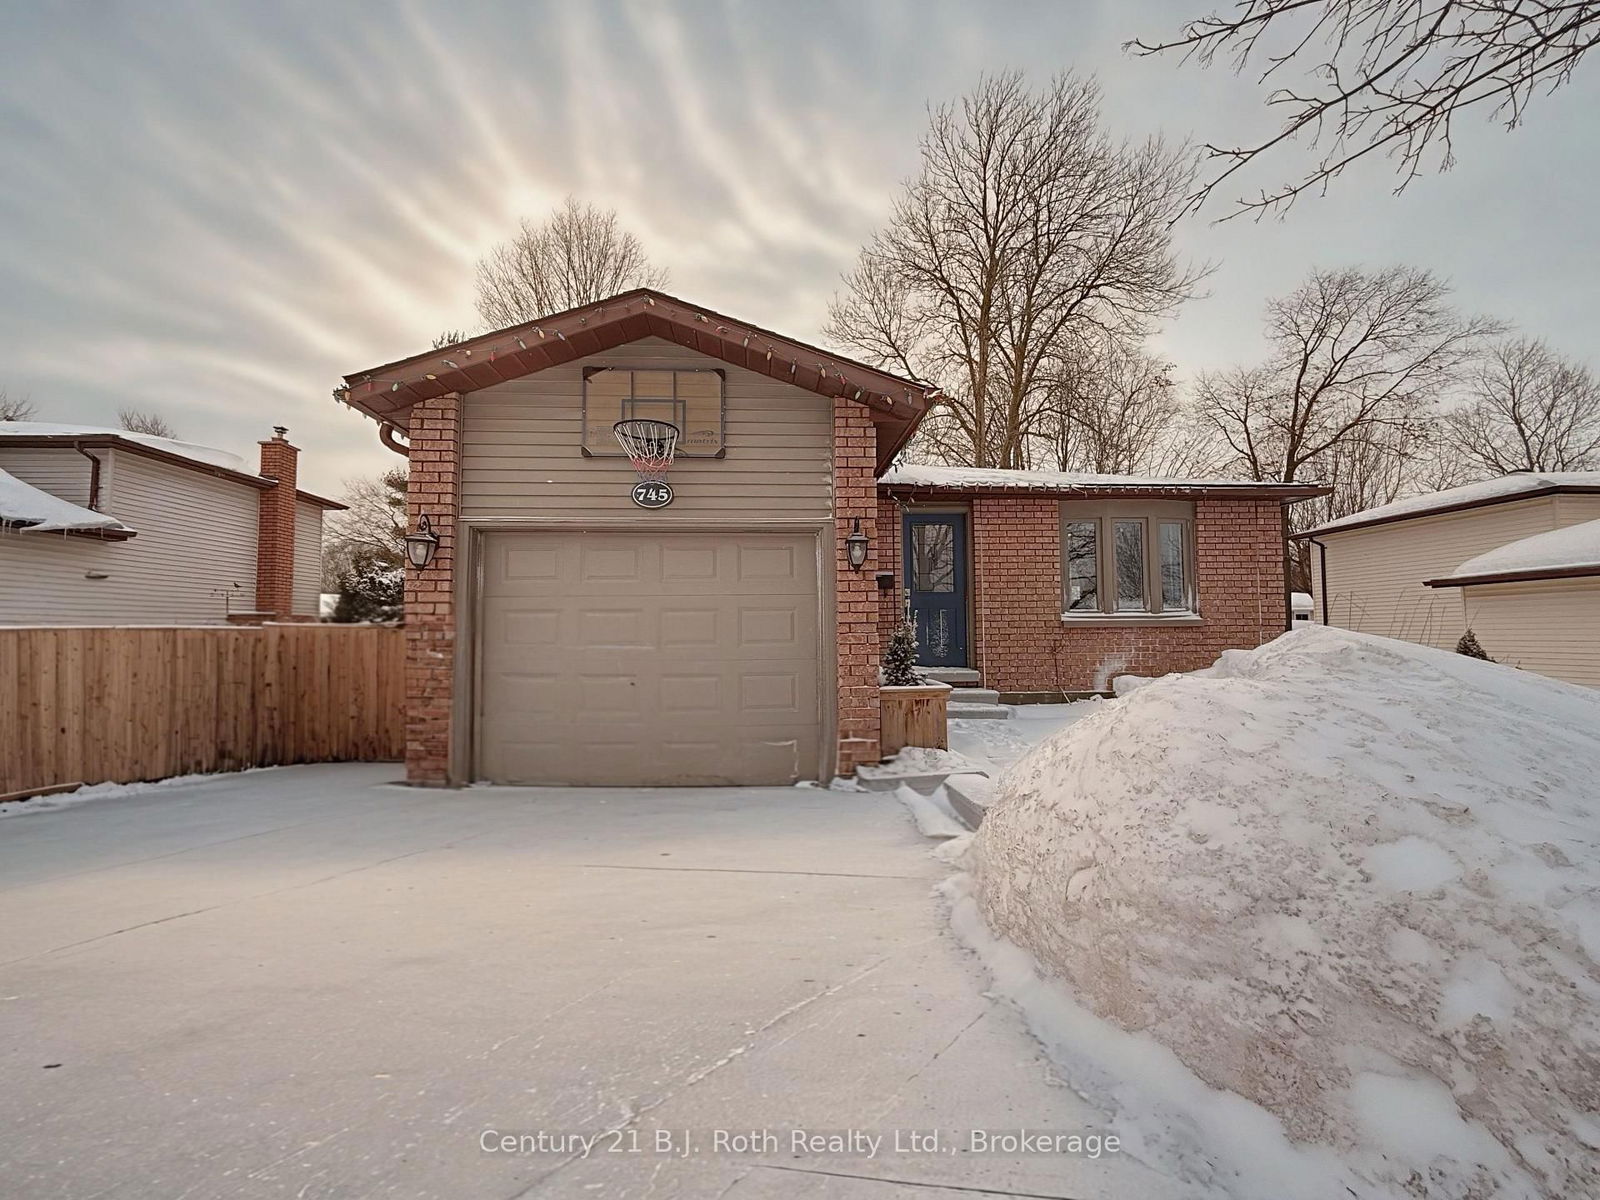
(977, 712)
(952, 675)
(974, 695)
(969, 796)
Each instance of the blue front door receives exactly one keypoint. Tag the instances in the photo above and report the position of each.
(936, 578)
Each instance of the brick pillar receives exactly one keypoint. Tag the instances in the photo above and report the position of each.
(855, 495)
(275, 528)
(432, 489)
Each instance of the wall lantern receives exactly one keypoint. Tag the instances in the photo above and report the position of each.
(421, 544)
(855, 547)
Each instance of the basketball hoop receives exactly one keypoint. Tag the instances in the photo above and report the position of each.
(651, 447)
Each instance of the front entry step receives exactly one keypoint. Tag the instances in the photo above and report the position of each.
(977, 712)
(974, 695)
(955, 676)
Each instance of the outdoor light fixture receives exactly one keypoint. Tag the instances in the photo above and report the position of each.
(421, 544)
(855, 547)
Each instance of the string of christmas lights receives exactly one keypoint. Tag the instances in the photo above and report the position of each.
(490, 354)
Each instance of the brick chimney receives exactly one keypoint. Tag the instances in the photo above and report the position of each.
(275, 531)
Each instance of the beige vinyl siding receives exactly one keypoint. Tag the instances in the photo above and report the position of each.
(1550, 626)
(196, 540)
(307, 559)
(60, 471)
(521, 458)
(1375, 576)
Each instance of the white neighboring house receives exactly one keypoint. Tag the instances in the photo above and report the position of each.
(1302, 605)
(1535, 602)
(103, 526)
(1397, 570)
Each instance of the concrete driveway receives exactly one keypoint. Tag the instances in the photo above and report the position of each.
(308, 982)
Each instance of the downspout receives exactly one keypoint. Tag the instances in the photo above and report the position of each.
(1322, 576)
(94, 477)
(389, 436)
(1288, 584)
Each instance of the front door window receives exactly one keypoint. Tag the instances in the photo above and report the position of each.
(936, 582)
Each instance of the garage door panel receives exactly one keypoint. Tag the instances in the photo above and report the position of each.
(627, 659)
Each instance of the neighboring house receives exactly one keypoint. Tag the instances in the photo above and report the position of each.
(106, 527)
(1370, 571)
(564, 634)
(1535, 602)
(1302, 605)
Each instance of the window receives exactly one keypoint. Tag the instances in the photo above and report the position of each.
(1083, 566)
(690, 399)
(1127, 558)
(933, 557)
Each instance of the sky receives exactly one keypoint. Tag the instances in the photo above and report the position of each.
(216, 210)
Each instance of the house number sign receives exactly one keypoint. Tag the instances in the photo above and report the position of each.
(649, 494)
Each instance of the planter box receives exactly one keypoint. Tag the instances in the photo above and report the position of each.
(913, 716)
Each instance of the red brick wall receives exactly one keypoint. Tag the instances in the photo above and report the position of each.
(855, 494)
(432, 488)
(1020, 643)
(891, 601)
(275, 530)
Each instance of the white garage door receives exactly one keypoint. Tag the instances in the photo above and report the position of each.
(646, 659)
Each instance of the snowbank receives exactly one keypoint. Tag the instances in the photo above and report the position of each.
(1352, 880)
(928, 475)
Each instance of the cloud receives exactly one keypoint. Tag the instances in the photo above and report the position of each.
(219, 208)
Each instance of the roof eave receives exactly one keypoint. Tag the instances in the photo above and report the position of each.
(1288, 494)
(1569, 489)
(1578, 572)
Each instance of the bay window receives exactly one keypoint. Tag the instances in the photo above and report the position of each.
(1127, 558)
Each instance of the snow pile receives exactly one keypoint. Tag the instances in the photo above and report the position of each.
(1570, 547)
(201, 454)
(1506, 487)
(1352, 880)
(37, 511)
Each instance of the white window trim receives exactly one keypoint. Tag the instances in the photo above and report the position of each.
(1153, 513)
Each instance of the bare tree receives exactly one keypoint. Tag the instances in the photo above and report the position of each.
(1117, 412)
(136, 420)
(1389, 75)
(449, 338)
(373, 522)
(1356, 356)
(18, 408)
(1528, 410)
(576, 256)
(1026, 231)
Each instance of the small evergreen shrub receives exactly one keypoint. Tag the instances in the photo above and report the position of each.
(900, 658)
(1469, 646)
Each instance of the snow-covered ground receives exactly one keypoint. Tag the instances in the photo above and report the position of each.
(1323, 920)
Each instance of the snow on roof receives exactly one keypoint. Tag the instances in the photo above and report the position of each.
(1504, 488)
(1300, 601)
(1574, 546)
(995, 477)
(38, 511)
(202, 454)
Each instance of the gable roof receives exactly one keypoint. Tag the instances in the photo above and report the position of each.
(388, 393)
(1568, 552)
(997, 479)
(1520, 485)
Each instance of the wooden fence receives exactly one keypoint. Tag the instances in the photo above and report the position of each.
(89, 704)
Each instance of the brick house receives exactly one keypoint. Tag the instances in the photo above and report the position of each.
(562, 633)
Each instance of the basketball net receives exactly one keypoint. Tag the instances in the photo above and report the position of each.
(651, 447)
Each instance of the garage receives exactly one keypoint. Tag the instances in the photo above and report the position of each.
(649, 658)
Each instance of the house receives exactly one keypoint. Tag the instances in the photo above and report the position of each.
(1536, 601)
(1302, 605)
(1401, 570)
(575, 626)
(104, 526)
